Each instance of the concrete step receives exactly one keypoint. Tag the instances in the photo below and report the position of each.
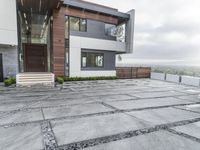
(31, 79)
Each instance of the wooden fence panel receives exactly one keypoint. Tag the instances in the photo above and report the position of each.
(143, 72)
(123, 73)
(133, 72)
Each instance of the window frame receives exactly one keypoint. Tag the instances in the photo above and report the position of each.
(85, 24)
(68, 30)
(95, 65)
(67, 48)
(79, 24)
(70, 23)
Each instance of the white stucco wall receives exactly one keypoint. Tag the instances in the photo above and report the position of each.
(8, 23)
(77, 43)
(92, 43)
(97, 73)
(130, 32)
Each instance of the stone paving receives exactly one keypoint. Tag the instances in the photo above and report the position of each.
(140, 114)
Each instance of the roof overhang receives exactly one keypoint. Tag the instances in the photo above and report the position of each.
(38, 6)
(96, 8)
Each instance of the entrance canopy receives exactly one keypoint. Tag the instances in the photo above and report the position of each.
(38, 6)
(34, 16)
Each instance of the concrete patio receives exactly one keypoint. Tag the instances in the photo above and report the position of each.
(135, 114)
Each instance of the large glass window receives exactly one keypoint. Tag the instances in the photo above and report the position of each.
(66, 45)
(83, 25)
(109, 29)
(84, 60)
(67, 61)
(74, 24)
(66, 27)
(77, 24)
(116, 31)
(92, 60)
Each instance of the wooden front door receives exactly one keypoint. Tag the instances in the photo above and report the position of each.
(1, 68)
(35, 58)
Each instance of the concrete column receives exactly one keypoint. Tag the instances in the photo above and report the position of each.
(130, 32)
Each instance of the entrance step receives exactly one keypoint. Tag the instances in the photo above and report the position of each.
(32, 79)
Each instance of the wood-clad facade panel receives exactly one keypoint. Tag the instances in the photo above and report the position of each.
(58, 42)
(89, 15)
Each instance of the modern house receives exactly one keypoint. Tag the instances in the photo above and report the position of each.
(62, 38)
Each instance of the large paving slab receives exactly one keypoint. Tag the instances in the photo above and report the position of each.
(193, 98)
(65, 95)
(117, 97)
(195, 107)
(60, 102)
(163, 115)
(87, 113)
(74, 130)
(190, 129)
(161, 140)
(190, 91)
(11, 106)
(22, 100)
(145, 103)
(158, 94)
(74, 110)
(21, 138)
(21, 116)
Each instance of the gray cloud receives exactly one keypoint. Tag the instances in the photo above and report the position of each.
(164, 29)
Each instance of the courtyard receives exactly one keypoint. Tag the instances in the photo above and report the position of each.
(137, 114)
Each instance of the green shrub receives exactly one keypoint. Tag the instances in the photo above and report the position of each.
(88, 78)
(60, 80)
(13, 80)
(8, 82)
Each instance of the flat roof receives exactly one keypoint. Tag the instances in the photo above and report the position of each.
(96, 8)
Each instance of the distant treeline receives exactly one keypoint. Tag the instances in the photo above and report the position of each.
(179, 70)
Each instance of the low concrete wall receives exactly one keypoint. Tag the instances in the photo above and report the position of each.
(188, 80)
(157, 76)
(173, 78)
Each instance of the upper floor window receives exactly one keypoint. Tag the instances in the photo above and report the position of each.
(83, 25)
(66, 27)
(78, 24)
(74, 24)
(109, 29)
(116, 31)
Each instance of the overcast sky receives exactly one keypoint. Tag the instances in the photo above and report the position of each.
(164, 29)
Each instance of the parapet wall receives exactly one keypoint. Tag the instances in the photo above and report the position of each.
(186, 80)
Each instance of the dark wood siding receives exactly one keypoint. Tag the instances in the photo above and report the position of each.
(90, 15)
(133, 72)
(58, 42)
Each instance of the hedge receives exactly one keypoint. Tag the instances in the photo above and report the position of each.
(60, 80)
(88, 78)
